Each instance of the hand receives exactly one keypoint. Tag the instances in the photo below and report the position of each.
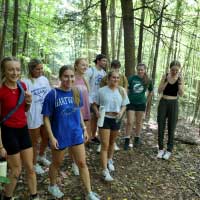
(85, 135)
(28, 97)
(97, 114)
(54, 143)
(119, 115)
(3, 152)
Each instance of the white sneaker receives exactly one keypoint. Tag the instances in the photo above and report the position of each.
(38, 169)
(130, 145)
(106, 175)
(116, 148)
(99, 148)
(75, 169)
(167, 155)
(111, 166)
(160, 154)
(55, 191)
(92, 196)
(43, 160)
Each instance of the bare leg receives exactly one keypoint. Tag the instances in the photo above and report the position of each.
(78, 152)
(27, 159)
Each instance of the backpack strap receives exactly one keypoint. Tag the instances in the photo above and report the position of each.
(20, 101)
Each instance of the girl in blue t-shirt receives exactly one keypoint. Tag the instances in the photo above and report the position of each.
(65, 126)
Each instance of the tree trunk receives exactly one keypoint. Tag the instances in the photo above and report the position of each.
(129, 39)
(104, 28)
(175, 30)
(139, 56)
(25, 40)
(15, 28)
(119, 39)
(157, 44)
(112, 27)
(4, 28)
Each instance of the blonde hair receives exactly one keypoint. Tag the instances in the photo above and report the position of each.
(3, 66)
(121, 89)
(76, 63)
(75, 91)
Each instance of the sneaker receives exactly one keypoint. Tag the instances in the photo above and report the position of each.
(116, 148)
(34, 198)
(167, 155)
(92, 196)
(95, 140)
(43, 160)
(106, 175)
(126, 144)
(75, 169)
(38, 169)
(137, 142)
(160, 154)
(55, 191)
(111, 167)
(99, 148)
(130, 145)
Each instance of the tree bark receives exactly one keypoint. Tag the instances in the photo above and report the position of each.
(157, 44)
(15, 28)
(4, 28)
(129, 39)
(104, 28)
(139, 56)
(119, 39)
(112, 27)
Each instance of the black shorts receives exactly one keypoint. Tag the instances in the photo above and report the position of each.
(136, 107)
(110, 123)
(15, 139)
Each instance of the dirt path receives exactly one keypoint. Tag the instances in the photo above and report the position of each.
(138, 176)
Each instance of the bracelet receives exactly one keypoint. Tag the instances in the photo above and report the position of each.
(28, 103)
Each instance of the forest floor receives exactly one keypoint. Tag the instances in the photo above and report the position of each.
(139, 174)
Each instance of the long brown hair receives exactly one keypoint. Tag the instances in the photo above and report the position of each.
(75, 91)
(76, 63)
(145, 79)
(3, 65)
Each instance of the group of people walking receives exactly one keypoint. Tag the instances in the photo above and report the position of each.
(33, 113)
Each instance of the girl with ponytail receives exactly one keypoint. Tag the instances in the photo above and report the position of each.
(137, 86)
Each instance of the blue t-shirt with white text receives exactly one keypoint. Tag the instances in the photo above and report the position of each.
(65, 117)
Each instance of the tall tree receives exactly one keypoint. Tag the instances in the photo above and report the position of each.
(158, 42)
(15, 28)
(119, 39)
(139, 56)
(25, 39)
(112, 27)
(104, 28)
(4, 28)
(129, 39)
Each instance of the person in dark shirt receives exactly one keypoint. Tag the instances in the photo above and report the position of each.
(171, 86)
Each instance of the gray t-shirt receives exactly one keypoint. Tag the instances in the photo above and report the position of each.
(112, 100)
(94, 76)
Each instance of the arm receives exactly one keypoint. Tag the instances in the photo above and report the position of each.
(2, 150)
(162, 85)
(47, 124)
(95, 108)
(84, 128)
(28, 100)
(180, 87)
